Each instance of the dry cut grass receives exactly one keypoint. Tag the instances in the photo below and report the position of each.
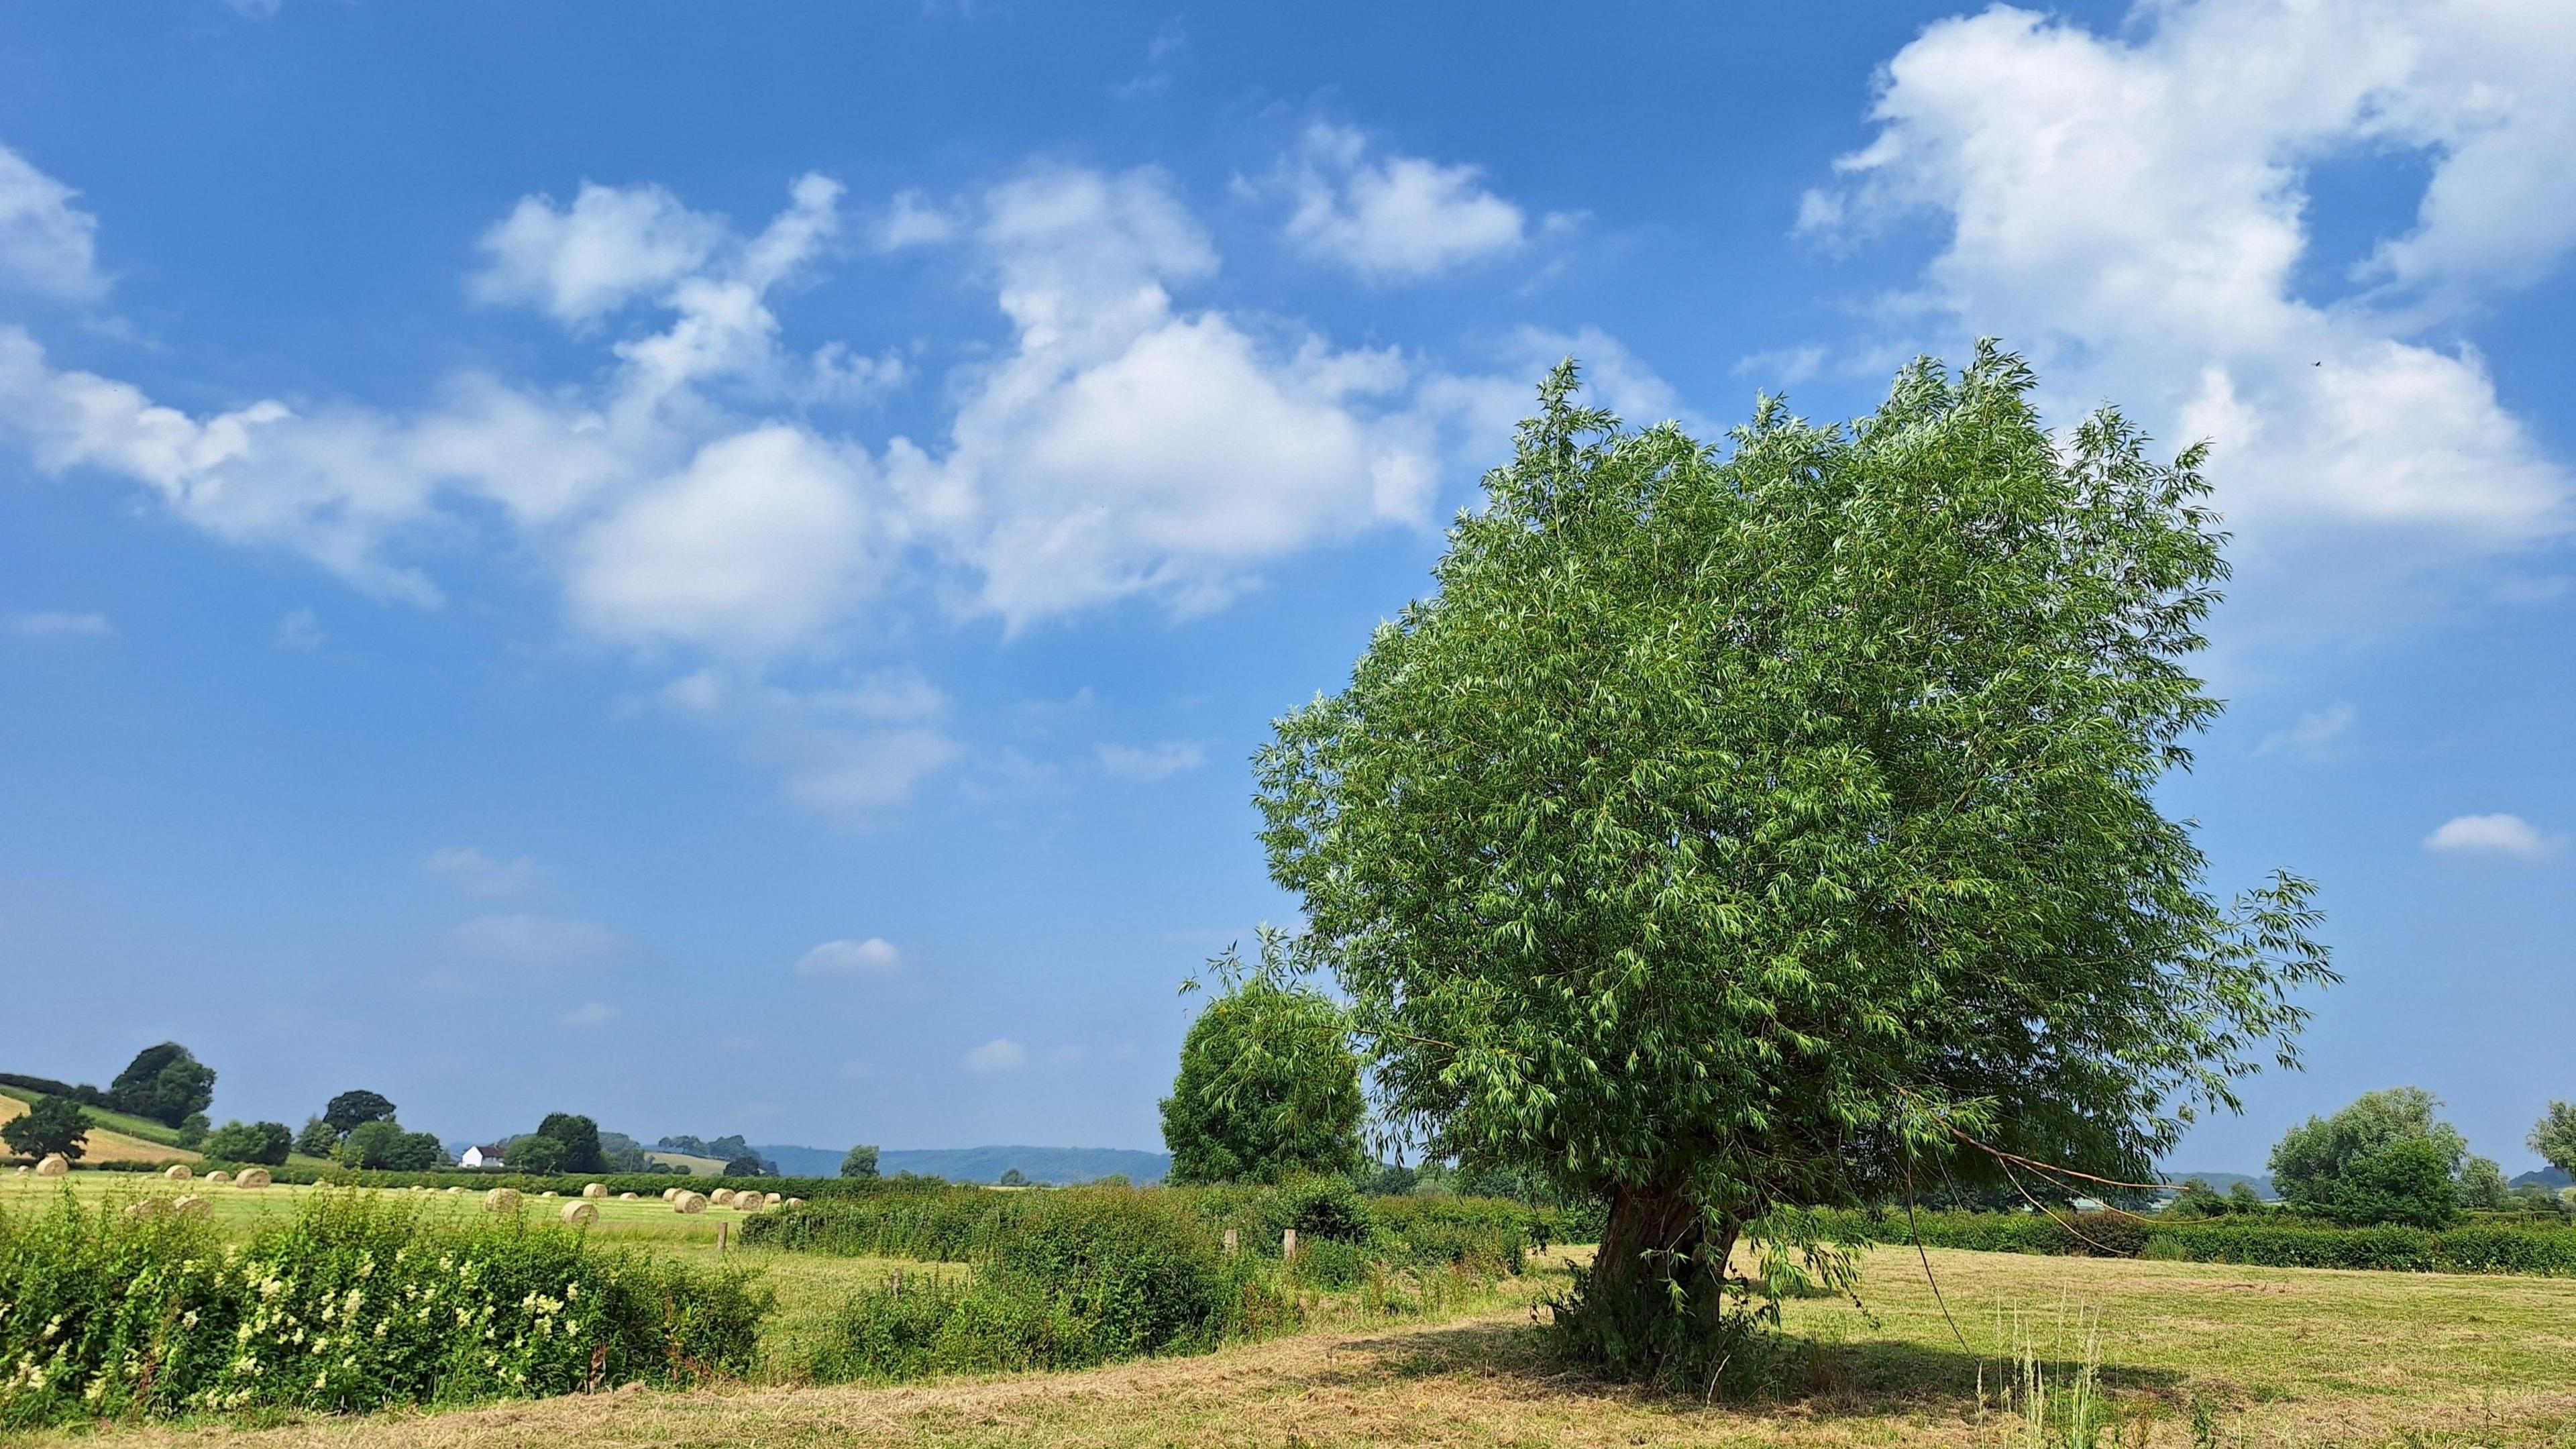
(2279, 1356)
(107, 1145)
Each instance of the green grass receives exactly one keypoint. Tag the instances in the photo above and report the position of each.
(125, 1122)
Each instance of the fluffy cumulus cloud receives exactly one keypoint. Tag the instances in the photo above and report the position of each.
(875, 956)
(1150, 763)
(703, 500)
(1125, 445)
(2497, 834)
(2131, 210)
(472, 873)
(48, 246)
(1390, 218)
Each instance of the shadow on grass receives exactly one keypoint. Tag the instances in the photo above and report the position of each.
(1855, 1379)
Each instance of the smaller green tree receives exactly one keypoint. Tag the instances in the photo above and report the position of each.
(861, 1163)
(386, 1147)
(353, 1109)
(318, 1138)
(535, 1154)
(49, 1125)
(2387, 1158)
(749, 1164)
(2242, 1198)
(1269, 1087)
(1013, 1177)
(580, 1138)
(2554, 1136)
(264, 1144)
(2482, 1184)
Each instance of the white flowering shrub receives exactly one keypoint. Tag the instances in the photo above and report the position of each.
(357, 1303)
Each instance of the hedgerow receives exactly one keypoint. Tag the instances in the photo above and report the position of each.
(356, 1303)
(2277, 1242)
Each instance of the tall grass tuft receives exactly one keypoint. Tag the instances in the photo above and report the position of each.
(359, 1302)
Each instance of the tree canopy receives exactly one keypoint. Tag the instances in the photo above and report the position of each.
(50, 1124)
(860, 1163)
(1268, 1088)
(1748, 827)
(350, 1109)
(165, 1083)
(2554, 1136)
(2387, 1158)
(262, 1143)
(579, 1137)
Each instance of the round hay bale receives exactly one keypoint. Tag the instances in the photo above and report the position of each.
(596, 1189)
(669, 1193)
(545, 1194)
(721, 1197)
(626, 1197)
(150, 1207)
(189, 1205)
(454, 1190)
(219, 1175)
(796, 1202)
(501, 1200)
(772, 1199)
(579, 1213)
(746, 1202)
(252, 1177)
(54, 1165)
(177, 1172)
(689, 1202)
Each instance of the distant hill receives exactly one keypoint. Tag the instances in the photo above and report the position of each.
(981, 1164)
(2550, 1177)
(2225, 1180)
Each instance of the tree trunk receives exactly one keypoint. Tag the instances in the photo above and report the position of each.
(1655, 1236)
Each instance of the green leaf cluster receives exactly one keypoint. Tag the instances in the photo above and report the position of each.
(1269, 1087)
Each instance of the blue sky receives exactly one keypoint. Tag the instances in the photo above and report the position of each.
(720, 570)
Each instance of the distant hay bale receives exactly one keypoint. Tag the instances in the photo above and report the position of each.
(721, 1197)
(796, 1202)
(54, 1165)
(580, 1214)
(219, 1175)
(626, 1197)
(772, 1199)
(596, 1189)
(690, 1202)
(669, 1193)
(546, 1194)
(150, 1207)
(454, 1190)
(189, 1205)
(501, 1200)
(252, 1177)
(177, 1172)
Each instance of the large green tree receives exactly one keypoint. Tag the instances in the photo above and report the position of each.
(580, 1138)
(264, 1143)
(1743, 828)
(165, 1083)
(2387, 1158)
(1268, 1088)
(353, 1109)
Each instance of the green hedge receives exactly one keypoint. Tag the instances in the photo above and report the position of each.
(359, 1302)
(1340, 1232)
(642, 1184)
(2276, 1241)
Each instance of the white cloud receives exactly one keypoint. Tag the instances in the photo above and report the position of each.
(1001, 1054)
(57, 625)
(2494, 835)
(300, 632)
(48, 246)
(472, 873)
(611, 246)
(2131, 211)
(1156, 762)
(1390, 219)
(536, 942)
(2318, 734)
(875, 956)
(1125, 447)
(591, 1014)
(851, 752)
(761, 542)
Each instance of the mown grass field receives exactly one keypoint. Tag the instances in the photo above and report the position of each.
(2274, 1356)
(116, 1137)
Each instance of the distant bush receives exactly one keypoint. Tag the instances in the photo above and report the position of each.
(2278, 1241)
(357, 1303)
(261, 1143)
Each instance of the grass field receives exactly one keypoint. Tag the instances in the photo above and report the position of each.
(2273, 1356)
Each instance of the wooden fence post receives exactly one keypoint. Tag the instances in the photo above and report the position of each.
(721, 1228)
(1288, 1246)
(1233, 1244)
